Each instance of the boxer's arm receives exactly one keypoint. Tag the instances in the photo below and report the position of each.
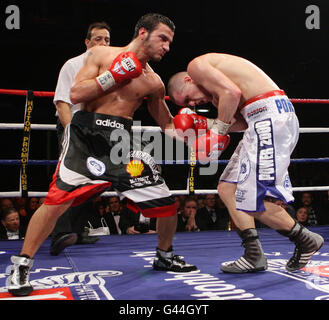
(160, 112)
(84, 87)
(218, 85)
(238, 123)
(158, 108)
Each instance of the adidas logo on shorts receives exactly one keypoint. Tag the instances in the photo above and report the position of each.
(109, 123)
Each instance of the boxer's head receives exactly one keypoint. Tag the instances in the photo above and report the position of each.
(183, 91)
(156, 33)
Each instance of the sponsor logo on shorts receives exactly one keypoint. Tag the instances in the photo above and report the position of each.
(257, 111)
(240, 195)
(244, 170)
(266, 159)
(109, 123)
(96, 167)
(284, 105)
(140, 181)
(135, 168)
(148, 160)
(287, 184)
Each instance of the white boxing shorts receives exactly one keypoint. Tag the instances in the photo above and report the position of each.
(259, 164)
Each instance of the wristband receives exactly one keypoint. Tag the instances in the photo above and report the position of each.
(105, 80)
(219, 127)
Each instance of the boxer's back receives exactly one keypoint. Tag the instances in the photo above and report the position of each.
(251, 80)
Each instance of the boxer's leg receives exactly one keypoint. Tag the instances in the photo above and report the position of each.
(156, 202)
(253, 258)
(306, 242)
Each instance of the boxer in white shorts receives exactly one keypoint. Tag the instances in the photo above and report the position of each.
(260, 163)
(247, 99)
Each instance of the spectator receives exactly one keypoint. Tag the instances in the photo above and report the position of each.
(5, 203)
(214, 216)
(308, 202)
(186, 218)
(20, 204)
(10, 225)
(136, 223)
(110, 213)
(302, 216)
(200, 202)
(32, 206)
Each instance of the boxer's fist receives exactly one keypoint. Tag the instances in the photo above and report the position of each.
(125, 66)
(183, 122)
(210, 146)
(199, 122)
(188, 119)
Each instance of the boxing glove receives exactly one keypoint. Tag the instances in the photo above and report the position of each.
(210, 146)
(188, 119)
(124, 67)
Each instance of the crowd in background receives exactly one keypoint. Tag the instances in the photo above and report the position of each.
(110, 215)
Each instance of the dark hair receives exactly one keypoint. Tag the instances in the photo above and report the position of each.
(150, 21)
(7, 211)
(97, 25)
(189, 199)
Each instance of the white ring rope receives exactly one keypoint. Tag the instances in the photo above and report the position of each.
(38, 194)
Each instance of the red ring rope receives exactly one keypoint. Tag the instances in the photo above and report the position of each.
(24, 93)
(51, 94)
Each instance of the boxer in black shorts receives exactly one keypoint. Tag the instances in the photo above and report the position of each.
(112, 84)
(87, 167)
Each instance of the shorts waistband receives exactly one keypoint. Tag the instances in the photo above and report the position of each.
(101, 121)
(263, 96)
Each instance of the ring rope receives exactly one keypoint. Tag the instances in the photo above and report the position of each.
(51, 94)
(40, 194)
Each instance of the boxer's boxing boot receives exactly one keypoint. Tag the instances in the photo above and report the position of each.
(307, 243)
(18, 281)
(167, 261)
(253, 259)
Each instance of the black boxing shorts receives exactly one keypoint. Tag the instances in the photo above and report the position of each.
(100, 153)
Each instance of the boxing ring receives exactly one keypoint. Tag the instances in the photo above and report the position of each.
(120, 267)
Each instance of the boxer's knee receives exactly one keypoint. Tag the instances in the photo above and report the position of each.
(226, 190)
(55, 211)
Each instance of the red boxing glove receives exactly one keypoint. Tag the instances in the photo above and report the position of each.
(124, 67)
(210, 146)
(188, 119)
(183, 122)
